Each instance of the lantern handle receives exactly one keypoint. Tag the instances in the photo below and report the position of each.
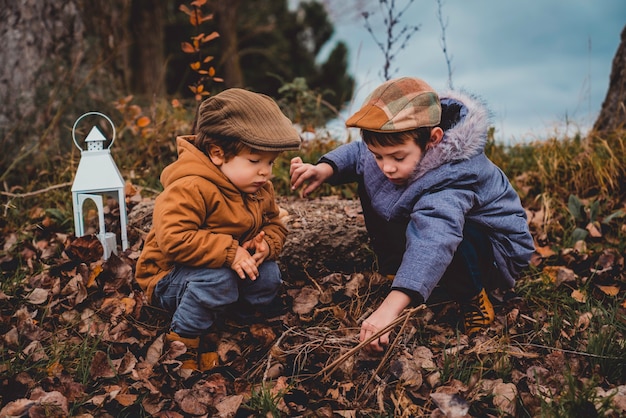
(87, 114)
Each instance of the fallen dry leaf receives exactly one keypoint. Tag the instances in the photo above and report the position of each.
(228, 406)
(584, 320)
(594, 230)
(609, 290)
(407, 372)
(505, 398)
(38, 296)
(545, 252)
(304, 300)
(578, 296)
(263, 333)
(559, 274)
(100, 366)
(452, 405)
(17, 408)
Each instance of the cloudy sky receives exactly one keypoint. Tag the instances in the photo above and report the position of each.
(542, 66)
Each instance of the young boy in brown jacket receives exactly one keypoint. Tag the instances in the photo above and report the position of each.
(216, 230)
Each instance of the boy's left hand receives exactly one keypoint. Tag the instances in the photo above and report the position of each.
(384, 315)
(259, 246)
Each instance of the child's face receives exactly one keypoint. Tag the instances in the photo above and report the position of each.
(397, 162)
(249, 170)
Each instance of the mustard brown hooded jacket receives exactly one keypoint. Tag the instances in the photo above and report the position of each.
(201, 217)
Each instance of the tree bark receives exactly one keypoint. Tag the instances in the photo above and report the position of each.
(613, 113)
(226, 18)
(146, 53)
(42, 42)
(63, 58)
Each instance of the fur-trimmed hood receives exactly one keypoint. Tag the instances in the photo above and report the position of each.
(465, 120)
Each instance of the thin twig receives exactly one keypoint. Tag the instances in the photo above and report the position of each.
(269, 356)
(332, 366)
(387, 354)
(36, 192)
(578, 353)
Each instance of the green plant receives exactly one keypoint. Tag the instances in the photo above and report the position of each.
(265, 402)
(303, 105)
(85, 352)
(606, 342)
(588, 220)
(575, 399)
(456, 365)
(12, 276)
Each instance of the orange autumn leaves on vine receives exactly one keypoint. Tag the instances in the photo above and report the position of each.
(135, 120)
(201, 63)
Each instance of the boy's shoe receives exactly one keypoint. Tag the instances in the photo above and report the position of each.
(208, 358)
(192, 359)
(189, 358)
(478, 313)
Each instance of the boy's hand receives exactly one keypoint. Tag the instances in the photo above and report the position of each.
(386, 313)
(370, 327)
(245, 265)
(315, 175)
(259, 247)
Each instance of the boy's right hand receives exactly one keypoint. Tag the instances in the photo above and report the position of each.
(259, 248)
(245, 265)
(315, 175)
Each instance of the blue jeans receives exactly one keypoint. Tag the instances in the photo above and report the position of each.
(196, 296)
(472, 268)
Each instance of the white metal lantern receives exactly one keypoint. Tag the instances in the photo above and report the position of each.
(97, 176)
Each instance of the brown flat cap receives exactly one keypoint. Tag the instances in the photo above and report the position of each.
(253, 118)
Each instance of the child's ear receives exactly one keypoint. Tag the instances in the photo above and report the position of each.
(216, 154)
(436, 135)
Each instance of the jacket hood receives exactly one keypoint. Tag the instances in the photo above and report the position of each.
(465, 121)
(193, 162)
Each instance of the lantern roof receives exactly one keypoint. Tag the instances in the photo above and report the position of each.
(95, 135)
(97, 172)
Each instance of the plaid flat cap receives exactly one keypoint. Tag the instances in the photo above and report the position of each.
(398, 105)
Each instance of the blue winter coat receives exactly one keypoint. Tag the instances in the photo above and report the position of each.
(453, 183)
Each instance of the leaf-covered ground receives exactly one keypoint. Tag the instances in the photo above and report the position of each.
(78, 338)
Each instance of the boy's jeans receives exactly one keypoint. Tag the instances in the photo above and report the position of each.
(472, 268)
(196, 296)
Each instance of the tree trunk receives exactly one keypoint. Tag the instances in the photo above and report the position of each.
(613, 113)
(42, 43)
(146, 52)
(63, 58)
(226, 18)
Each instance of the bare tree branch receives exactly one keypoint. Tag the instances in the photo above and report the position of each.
(394, 42)
(36, 192)
(444, 45)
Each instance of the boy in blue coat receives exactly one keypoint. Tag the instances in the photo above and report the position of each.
(437, 210)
